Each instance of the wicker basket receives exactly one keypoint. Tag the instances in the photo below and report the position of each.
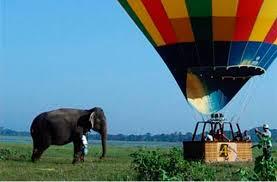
(218, 151)
(244, 151)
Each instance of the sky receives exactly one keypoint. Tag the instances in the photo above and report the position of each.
(84, 53)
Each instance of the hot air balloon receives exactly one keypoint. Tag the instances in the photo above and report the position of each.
(211, 47)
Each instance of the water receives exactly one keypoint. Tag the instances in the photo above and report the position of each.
(28, 140)
(16, 139)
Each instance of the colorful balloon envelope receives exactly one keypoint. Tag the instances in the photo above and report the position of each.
(211, 47)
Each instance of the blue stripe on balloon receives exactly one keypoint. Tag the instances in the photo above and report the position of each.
(217, 100)
(267, 57)
(261, 52)
(236, 53)
(272, 59)
(250, 51)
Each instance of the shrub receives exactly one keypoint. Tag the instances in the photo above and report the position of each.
(10, 154)
(157, 165)
(265, 166)
(265, 170)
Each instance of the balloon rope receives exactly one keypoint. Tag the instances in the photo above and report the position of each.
(194, 114)
(203, 117)
(270, 58)
(260, 86)
(243, 52)
(244, 101)
(262, 59)
(240, 103)
(255, 57)
(229, 54)
(249, 97)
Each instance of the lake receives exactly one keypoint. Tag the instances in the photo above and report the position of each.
(28, 140)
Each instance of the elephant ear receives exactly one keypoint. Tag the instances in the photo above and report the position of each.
(92, 119)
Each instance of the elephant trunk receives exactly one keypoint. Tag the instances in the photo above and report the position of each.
(104, 141)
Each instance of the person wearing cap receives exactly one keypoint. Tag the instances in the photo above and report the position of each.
(265, 136)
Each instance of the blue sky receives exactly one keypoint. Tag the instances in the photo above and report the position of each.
(84, 53)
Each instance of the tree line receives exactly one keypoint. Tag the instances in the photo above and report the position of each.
(172, 137)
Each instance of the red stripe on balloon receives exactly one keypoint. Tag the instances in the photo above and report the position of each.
(160, 19)
(247, 13)
(272, 34)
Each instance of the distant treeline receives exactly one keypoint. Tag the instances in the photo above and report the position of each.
(9, 132)
(173, 137)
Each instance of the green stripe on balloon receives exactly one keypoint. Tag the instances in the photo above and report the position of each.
(201, 18)
(199, 8)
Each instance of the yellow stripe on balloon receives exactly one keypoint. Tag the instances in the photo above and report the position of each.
(175, 8)
(224, 19)
(265, 19)
(146, 20)
(226, 8)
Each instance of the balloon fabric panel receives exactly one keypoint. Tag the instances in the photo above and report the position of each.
(247, 13)
(159, 17)
(272, 34)
(240, 20)
(211, 47)
(209, 94)
(264, 21)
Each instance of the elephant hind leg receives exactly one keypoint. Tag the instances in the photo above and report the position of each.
(36, 154)
(39, 148)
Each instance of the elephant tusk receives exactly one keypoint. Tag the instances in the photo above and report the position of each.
(91, 119)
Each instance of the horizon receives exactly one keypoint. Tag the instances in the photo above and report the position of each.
(84, 54)
(152, 134)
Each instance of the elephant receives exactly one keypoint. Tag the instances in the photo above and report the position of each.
(65, 125)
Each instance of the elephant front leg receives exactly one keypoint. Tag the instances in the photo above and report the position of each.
(77, 152)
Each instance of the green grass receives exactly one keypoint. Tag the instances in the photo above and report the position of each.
(55, 164)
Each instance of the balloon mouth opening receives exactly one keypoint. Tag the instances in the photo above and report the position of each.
(228, 72)
(210, 89)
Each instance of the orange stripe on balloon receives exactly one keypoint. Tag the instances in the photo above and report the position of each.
(177, 13)
(223, 28)
(183, 30)
(224, 19)
(159, 17)
(247, 13)
(272, 34)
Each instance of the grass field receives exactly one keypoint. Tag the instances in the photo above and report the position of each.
(55, 164)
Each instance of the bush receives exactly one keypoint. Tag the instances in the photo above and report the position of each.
(157, 165)
(265, 166)
(10, 154)
(265, 170)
